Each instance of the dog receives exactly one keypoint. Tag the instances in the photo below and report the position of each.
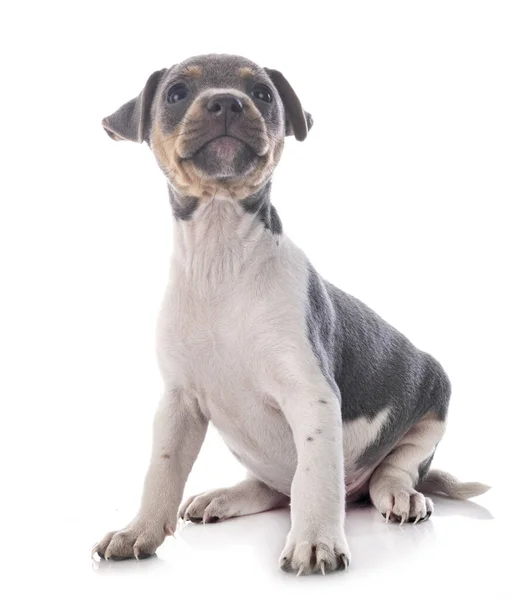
(320, 399)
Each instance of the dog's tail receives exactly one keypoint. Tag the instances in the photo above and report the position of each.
(440, 482)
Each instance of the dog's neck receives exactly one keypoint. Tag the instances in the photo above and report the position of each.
(216, 239)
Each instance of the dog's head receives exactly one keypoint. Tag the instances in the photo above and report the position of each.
(215, 123)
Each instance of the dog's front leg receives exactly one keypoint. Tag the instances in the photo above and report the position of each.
(316, 541)
(179, 431)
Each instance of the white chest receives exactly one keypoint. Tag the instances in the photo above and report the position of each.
(221, 336)
(232, 321)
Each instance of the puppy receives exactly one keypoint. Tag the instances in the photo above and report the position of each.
(321, 400)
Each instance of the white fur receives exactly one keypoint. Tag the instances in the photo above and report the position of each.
(233, 349)
(440, 482)
(392, 484)
(357, 436)
(245, 498)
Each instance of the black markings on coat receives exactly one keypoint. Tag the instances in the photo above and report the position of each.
(309, 438)
(183, 207)
(260, 204)
(371, 366)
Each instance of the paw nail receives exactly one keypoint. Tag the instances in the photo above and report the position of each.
(195, 519)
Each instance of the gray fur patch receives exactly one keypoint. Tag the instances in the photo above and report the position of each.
(424, 467)
(260, 204)
(371, 366)
(182, 207)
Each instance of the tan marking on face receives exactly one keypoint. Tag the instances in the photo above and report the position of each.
(194, 71)
(247, 72)
(189, 181)
(193, 115)
(182, 174)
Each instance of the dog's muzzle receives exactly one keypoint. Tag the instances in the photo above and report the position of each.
(224, 125)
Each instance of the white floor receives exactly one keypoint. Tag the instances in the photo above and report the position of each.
(441, 558)
(463, 551)
(400, 196)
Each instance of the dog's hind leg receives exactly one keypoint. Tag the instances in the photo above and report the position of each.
(245, 498)
(393, 483)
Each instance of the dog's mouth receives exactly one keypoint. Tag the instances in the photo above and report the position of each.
(225, 157)
(224, 152)
(225, 146)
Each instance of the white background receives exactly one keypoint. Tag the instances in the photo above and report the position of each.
(401, 196)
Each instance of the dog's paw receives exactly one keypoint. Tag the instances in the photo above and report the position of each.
(209, 507)
(405, 506)
(315, 554)
(138, 540)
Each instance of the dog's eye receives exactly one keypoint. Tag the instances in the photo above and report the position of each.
(176, 93)
(261, 92)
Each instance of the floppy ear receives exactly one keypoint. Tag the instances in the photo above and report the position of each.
(298, 122)
(131, 121)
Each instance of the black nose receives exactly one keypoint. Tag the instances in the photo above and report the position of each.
(224, 103)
